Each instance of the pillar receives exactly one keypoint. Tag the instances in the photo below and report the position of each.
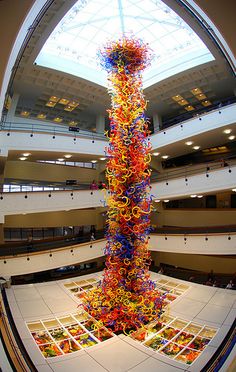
(100, 124)
(157, 122)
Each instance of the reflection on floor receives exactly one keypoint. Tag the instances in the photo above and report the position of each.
(59, 336)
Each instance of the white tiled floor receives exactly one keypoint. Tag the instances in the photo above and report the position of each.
(205, 305)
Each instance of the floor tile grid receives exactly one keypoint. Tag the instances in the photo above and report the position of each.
(62, 326)
(172, 287)
(172, 340)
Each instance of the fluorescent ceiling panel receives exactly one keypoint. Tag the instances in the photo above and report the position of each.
(72, 46)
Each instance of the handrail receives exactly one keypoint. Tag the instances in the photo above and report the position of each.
(7, 250)
(57, 129)
(190, 170)
(183, 118)
(50, 128)
(23, 248)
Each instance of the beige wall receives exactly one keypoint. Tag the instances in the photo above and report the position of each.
(193, 217)
(223, 16)
(220, 264)
(12, 15)
(57, 219)
(48, 172)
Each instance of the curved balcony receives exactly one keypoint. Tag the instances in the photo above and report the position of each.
(204, 182)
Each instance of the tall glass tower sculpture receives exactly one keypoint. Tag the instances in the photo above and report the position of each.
(126, 298)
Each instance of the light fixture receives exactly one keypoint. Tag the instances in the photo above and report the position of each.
(200, 96)
(193, 196)
(196, 147)
(54, 99)
(64, 101)
(206, 103)
(183, 102)
(234, 190)
(60, 159)
(25, 113)
(94, 161)
(41, 116)
(50, 104)
(74, 103)
(189, 108)
(156, 153)
(57, 119)
(177, 98)
(227, 131)
(231, 138)
(73, 123)
(196, 91)
(166, 200)
(68, 156)
(157, 201)
(102, 159)
(69, 108)
(22, 158)
(26, 154)
(200, 196)
(189, 143)
(165, 156)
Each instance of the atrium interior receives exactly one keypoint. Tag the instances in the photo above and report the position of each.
(54, 149)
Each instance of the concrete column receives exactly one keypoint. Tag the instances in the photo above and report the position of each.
(100, 124)
(12, 109)
(157, 122)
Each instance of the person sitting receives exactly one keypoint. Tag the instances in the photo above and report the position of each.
(230, 285)
(94, 185)
(209, 282)
(92, 237)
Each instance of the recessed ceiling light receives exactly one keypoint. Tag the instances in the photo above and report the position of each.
(177, 98)
(73, 122)
(183, 102)
(227, 131)
(50, 104)
(25, 113)
(196, 147)
(157, 200)
(94, 161)
(68, 156)
(166, 200)
(234, 190)
(200, 96)
(26, 154)
(41, 116)
(60, 159)
(156, 153)
(165, 156)
(193, 196)
(73, 104)
(64, 101)
(57, 119)
(69, 108)
(22, 158)
(206, 103)
(189, 108)
(54, 99)
(196, 91)
(189, 143)
(102, 158)
(231, 138)
(200, 196)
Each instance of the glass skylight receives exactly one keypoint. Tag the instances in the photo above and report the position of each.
(88, 25)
